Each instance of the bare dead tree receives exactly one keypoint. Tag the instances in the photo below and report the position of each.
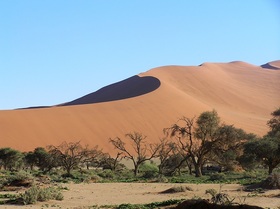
(166, 148)
(142, 151)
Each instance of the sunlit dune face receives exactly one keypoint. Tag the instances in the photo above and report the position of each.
(243, 95)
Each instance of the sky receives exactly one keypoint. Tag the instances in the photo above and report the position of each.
(58, 50)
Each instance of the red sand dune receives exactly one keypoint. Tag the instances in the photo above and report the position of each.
(243, 94)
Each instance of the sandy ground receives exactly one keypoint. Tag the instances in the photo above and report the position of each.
(85, 195)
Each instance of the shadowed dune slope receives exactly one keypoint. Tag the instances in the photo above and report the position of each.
(243, 94)
(275, 65)
(131, 87)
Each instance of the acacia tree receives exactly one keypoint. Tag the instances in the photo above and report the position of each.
(44, 160)
(196, 138)
(266, 149)
(142, 151)
(91, 156)
(10, 159)
(274, 124)
(112, 163)
(229, 146)
(69, 155)
(30, 159)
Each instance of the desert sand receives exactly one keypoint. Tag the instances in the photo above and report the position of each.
(85, 195)
(243, 95)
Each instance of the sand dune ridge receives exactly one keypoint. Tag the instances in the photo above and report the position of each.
(243, 95)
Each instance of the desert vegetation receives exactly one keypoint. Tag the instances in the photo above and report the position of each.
(192, 150)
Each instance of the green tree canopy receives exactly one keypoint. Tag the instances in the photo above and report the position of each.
(274, 123)
(266, 149)
(10, 159)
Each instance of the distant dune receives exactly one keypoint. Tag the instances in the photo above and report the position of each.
(275, 65)
(243, 94)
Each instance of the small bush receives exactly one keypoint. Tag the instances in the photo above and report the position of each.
(149, 170)
(49, 193)
(249, 174)
(94, 178)
(35, 193)
(217, 177)
(161, 179)
(126, 176)
(149, 174)
(22, 175)
(275, 180)
(272, 182)
(107, 174)
(21, 178)
(30, 196)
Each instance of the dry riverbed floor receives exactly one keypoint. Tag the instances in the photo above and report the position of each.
(84, 195)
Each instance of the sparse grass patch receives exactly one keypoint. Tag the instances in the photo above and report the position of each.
(244, 178)
(6, 198)
(142, 206)
(186, 178)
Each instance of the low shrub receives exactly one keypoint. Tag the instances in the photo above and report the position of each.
(161, 179)
(35, 193)
(217, 177)
(49, 193)
(30, 196)
(94, 178)
(149, 170)
(272, 182)
(249, 174)
(19, 179)
(126, 175)
(107, 174)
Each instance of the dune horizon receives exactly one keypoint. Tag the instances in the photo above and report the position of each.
(244, 95)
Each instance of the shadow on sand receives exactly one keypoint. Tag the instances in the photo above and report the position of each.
(271, 67)
(128, 88)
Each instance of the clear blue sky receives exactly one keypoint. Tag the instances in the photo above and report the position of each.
(58, 50)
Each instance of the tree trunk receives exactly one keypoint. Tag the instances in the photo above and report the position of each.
(197, 168)
(179, 171)
(189, 167)
(68, 170)
(136, 168)
(160, 170)
(270, 169)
